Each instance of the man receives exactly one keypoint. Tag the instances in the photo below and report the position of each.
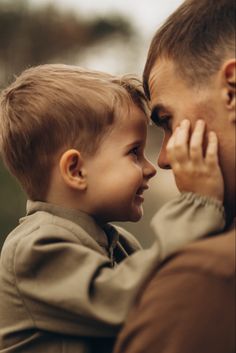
(188, 306)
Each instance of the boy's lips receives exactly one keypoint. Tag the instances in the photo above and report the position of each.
(141, 190)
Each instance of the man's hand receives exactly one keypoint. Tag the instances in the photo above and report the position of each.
(194, 171)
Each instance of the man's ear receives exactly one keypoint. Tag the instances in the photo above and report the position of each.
(72, 170)
(229, 82)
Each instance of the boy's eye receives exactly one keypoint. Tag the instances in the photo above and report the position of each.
(134, 151)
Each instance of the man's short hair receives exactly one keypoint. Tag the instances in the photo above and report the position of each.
(197, 37)
(54, 107)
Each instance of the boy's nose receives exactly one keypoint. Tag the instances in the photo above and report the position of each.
(149, 170)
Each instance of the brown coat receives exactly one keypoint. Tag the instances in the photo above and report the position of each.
(189, 306)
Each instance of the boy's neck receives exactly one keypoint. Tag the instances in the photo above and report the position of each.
(66, 198)
(61, 195)
(61, 200)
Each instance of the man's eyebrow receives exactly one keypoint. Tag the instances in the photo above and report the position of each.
(155, 117)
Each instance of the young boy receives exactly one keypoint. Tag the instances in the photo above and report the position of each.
(75, 140)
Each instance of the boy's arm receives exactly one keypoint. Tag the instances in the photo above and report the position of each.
(186, 218)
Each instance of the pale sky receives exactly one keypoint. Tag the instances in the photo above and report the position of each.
(147, 14)
(146, 17)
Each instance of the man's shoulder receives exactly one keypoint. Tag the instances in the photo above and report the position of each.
(191, 299)
(213, 255)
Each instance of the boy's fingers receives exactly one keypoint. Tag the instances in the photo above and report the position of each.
(181, 142)
(170, 148)
(171, 141)
(212, 149)
(196, 141)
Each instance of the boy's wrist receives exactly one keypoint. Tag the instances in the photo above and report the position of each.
(204, 199)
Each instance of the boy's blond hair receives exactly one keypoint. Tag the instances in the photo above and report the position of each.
(54, 107)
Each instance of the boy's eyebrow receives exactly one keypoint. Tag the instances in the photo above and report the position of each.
(135, 143)
(155, 117)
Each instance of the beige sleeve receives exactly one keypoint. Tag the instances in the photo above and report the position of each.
(186, 218)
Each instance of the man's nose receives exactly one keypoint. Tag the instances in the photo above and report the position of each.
(162, 160)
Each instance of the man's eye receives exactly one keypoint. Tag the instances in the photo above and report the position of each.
(165, 122)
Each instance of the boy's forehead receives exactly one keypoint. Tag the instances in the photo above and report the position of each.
(131, 112)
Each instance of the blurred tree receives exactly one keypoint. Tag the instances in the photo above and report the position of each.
(32, 36)
(12, 203)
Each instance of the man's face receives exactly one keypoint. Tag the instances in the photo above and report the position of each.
(174, 99)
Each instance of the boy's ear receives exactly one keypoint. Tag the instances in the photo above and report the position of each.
(229, 91)
(72, 170)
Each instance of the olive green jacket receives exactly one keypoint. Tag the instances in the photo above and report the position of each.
(66, 284)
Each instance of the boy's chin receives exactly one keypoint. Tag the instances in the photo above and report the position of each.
(133, 216)
(136, 216)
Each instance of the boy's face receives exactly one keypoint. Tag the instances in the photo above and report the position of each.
(119, 172)
(173, 100)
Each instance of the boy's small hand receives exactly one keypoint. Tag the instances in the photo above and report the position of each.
(193, 171)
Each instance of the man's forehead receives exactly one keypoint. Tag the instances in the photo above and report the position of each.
(156, 85)
(160, 76)
(167, 86)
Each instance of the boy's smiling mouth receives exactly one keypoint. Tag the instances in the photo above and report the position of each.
(139, 193)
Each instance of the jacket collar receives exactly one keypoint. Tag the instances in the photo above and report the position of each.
(106, 236)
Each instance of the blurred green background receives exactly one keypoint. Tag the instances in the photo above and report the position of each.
(38, 32)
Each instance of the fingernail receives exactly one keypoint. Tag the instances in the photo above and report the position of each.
(200, 122)
(185, 122)
(177, 129)
(212, 134)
